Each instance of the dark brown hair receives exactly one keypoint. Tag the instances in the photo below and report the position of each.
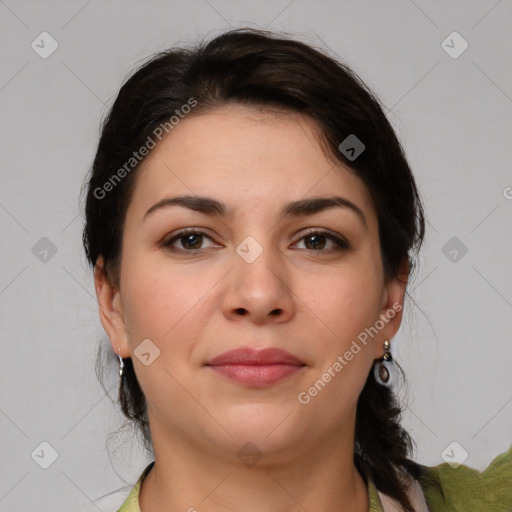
(259, 68)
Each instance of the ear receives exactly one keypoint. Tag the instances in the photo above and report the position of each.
(392, 306)
(111, 310)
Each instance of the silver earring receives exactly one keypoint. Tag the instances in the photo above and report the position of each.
(383, 369)
(121, 364)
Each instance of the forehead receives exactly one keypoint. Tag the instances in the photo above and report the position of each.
(250, 159)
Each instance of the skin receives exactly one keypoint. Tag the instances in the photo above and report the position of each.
(198, 304)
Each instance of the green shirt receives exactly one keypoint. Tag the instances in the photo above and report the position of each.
(446, 489)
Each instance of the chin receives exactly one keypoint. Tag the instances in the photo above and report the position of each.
(269, 427)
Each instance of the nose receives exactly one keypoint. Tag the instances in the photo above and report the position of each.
(259, 290)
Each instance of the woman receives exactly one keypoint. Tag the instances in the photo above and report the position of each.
(252, 223)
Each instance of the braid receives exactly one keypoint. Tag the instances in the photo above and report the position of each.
(382, 444)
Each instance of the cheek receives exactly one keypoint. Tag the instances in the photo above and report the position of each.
(162, 304)
(157, 298)
(342, 306)
(344, 302)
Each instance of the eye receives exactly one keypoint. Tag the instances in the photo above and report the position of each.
(317, 241)
(190, 239)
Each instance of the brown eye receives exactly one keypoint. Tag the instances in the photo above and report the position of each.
(192, 241)
(317, 241)
(189, 241)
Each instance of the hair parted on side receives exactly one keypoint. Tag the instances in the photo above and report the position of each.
(268, 70)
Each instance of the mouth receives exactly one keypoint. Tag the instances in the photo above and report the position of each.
(256, 368)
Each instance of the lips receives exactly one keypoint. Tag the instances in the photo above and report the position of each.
(249, 356)
(256, 368)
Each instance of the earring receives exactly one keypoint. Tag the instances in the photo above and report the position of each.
(121, 364)
(383, 369)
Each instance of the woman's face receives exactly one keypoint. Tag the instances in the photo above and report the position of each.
(249, 277)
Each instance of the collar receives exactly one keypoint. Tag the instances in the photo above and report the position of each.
(378, 501)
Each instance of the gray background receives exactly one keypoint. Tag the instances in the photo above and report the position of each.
(454, 118)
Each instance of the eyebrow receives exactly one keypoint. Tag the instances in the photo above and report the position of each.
(210, 206)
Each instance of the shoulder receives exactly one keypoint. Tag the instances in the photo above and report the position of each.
(462, 488)
(131, 504)
(445, 488)
(111, 501)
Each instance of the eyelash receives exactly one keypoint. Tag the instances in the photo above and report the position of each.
(340, 242)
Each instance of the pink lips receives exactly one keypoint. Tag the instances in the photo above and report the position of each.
(256, 368)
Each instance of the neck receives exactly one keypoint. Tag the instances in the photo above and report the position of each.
(190, 479)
